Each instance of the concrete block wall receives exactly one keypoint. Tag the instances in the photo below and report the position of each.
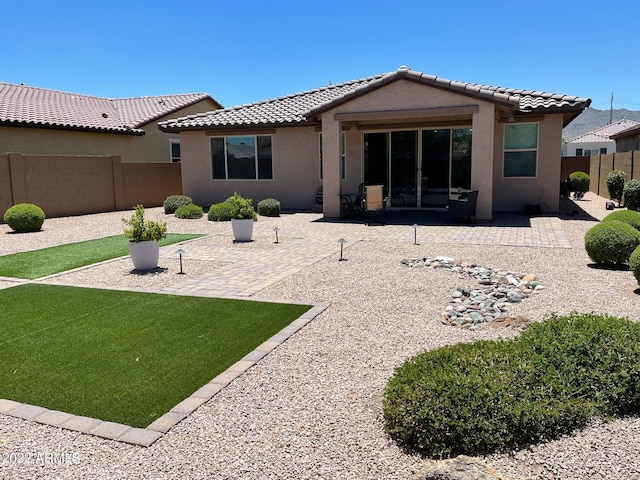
(74, 185)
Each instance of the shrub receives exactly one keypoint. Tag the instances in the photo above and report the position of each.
(634, 263)
(269, 207)
(579, 184)
(615, 184)
(141, 230)
(189, 211)
(626, 216)
(24, 217)
(631, 194)
(220, 212)
(173, 202)
(241, 208)
(496, 396)
(611, 243)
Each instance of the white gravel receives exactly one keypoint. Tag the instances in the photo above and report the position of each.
(311, 409)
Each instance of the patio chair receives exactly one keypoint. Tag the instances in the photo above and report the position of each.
(374, 202)
(464, 206)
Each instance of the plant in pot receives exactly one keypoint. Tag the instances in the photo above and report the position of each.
(143, 239)
(242, 217)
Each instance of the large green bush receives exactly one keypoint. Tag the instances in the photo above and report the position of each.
(173, 202)
(189, 211)
(269, 207)
(24, 217)
(631, 194)
(634, 263)
(579, 184)
(626, 216)
(615, 184)
(611, 243)
(220, 212)
(496, 396)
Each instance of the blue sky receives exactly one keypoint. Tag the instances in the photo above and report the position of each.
(245, 51)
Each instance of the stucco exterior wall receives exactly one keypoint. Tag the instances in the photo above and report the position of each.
(511, 194)
(296, 174)
(152, 147)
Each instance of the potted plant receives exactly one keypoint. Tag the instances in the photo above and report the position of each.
(242, 217)
(143, 239)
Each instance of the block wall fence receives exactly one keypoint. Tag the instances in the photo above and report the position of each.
(601, 165)
(74, 185)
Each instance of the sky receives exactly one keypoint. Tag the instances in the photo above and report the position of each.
(242, 51)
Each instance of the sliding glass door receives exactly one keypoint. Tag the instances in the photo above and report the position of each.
(418, 168)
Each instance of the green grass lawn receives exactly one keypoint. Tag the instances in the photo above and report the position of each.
(47, 261)
(125, 357)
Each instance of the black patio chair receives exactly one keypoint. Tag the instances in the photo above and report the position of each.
(464, 207)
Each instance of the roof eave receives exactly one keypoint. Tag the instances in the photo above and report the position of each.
(10, 123)
(237, 127)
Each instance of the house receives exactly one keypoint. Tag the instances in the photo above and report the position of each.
(598, 141)
(418, 135)
(627, 140)
(49, 122)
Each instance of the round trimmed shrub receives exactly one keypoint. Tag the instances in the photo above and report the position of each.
(611, 243)
(220, 212)
(631, 194)
(501, 395)
(24, 217)
(634, 263)
(615, 184)
(189, 211)
(579, 184)
(173, 202)
(626, 216)
(269, 207)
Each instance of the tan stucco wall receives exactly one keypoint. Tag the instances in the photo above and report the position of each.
(295, 156)
(153, 147)
(295, 170)
(511, 194)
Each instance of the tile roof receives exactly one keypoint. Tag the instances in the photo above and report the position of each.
(630, 130)
(604, 134)
(303, 107)
(30, 106)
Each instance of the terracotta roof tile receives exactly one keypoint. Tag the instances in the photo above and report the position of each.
(30, 106)
(303, 107)
(604, 134)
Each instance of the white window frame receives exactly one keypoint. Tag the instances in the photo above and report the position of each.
(172, 158)
(343, 154)
(505, 150)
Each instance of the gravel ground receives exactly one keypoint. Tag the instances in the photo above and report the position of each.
(311, 409)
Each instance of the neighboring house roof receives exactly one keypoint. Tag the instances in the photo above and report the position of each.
(302, 108)
(604, 134)
(632, 130)
(21, 105)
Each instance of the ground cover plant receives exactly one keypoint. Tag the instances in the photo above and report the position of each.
(496, 396)
(47, 261)
(126, 357)
(173, 202)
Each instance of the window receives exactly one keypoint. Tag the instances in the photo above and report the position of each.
(603, 150)
(520, 150)
(174, 150)
(242, 158)
(343, 155)
(578, 152)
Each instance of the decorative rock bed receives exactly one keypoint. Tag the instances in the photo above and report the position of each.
(477, 308)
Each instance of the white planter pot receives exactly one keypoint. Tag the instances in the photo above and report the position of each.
(144, 255)
(242, 229)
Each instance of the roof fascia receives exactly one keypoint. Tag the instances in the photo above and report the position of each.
(136, 132)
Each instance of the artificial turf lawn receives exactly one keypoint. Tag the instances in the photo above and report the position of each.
(47, 261)
(126, 357)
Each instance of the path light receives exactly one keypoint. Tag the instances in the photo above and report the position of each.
(180, 252)
(415, 233)
(342, 241)
(276, 229)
